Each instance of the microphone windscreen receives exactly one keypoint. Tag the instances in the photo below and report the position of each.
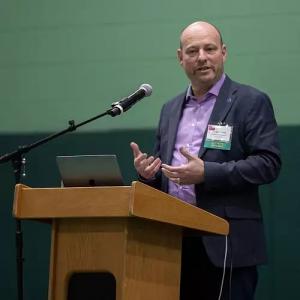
(147, 88)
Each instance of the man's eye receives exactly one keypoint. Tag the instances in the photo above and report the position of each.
(192, 51)
(210, 49)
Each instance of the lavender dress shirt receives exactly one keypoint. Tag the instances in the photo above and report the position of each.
(190, 134)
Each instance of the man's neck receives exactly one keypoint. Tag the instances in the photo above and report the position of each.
(200, 91)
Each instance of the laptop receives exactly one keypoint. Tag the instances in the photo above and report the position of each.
(89, 170)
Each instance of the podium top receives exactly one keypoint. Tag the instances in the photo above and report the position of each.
(137, 200)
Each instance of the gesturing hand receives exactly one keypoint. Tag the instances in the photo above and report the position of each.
(144, 165)
(190, 173)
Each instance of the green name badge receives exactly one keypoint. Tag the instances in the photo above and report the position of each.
(218, 137)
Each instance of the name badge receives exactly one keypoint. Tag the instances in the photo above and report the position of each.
(218, 137)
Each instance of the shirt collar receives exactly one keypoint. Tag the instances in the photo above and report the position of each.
(214, 91)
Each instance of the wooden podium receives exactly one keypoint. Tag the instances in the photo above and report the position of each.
(132, 232)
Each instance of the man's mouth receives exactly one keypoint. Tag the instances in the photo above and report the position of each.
(203, 69)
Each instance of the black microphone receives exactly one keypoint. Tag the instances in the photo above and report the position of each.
(123, 105)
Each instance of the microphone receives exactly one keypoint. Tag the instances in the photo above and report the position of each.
(123, 105)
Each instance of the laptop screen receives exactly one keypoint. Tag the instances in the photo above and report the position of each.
(89, 170)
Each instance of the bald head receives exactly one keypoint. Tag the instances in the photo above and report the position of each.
(201, 25)
(202, 55)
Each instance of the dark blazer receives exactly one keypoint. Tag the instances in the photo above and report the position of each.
(232, 177)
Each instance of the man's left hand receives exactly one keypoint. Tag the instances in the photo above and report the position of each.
(190, 173)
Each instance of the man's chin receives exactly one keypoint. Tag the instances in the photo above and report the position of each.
(207, 75)
(207, 80)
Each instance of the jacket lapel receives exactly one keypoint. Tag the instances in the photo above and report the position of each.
(222, 107)
(175, 116)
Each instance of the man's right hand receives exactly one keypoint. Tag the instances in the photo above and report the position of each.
(146, 166)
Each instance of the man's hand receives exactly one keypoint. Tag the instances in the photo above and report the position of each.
(146, 166)
(190, 173)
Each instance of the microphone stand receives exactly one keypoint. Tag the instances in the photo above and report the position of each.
(18, 162)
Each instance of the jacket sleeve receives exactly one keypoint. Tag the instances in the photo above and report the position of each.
(261, 163)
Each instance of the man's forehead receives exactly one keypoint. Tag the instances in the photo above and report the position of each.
(199, 39)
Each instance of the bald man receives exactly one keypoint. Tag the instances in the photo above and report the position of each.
(216, 143)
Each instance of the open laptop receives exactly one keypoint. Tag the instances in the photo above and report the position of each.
(89, 170)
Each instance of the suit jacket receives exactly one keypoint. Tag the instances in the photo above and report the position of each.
(232, 177)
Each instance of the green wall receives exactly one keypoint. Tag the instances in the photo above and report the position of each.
(67, 59)
(70, 59)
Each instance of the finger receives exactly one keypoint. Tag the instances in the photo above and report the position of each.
(156, 162)
(176, 180)
(154, 167)
(144, 161)
(149, 171)
(147, 162)
(150, 160)
(170, 174)
(173, 168)
(139, 162)
(135, 149)
(186, 153)
(142, 157)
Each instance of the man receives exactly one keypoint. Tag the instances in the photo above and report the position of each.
(216, 143)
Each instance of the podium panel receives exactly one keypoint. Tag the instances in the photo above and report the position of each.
(143, 257)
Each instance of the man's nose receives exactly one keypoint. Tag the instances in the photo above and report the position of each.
(202, 55)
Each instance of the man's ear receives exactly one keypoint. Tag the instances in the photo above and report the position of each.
(179, 55)
(224, 52)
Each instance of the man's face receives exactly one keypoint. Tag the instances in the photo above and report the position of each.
(202, 55)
